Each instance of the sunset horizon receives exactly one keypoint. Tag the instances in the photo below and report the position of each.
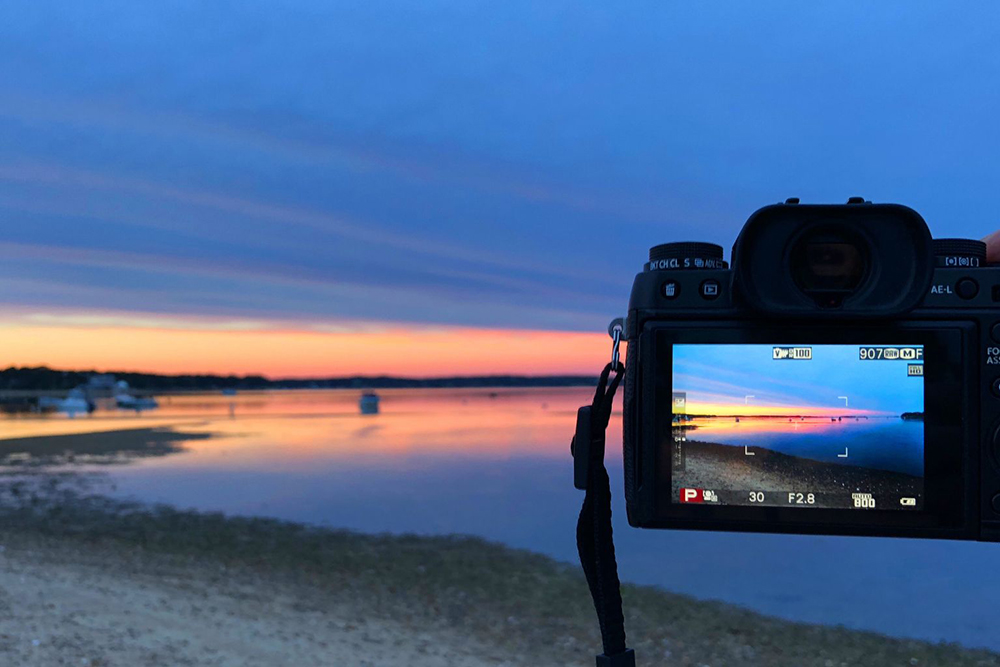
(145, 343)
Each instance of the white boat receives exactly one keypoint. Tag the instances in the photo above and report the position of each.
(129, 402)
(76, 401)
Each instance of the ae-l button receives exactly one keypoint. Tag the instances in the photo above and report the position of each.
(967, 288)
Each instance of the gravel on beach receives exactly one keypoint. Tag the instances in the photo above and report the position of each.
(709, 465)
(89, 581)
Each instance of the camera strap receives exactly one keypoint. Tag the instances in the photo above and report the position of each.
(594, 540)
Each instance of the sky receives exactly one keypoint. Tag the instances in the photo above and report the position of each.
(435, 188)
(746, 379)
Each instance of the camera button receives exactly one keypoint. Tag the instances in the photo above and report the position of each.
(710, 289)
(996, 503)
(671, 289)
(967, 288)
(995, 387)
(995, 332)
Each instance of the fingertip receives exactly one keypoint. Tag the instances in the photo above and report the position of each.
(992, 242)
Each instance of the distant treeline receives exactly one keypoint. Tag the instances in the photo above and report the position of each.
(47, 379)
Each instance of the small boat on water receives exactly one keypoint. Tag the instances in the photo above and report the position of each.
(228, 392)
(76, 401)
(129, 402)
(369, 403)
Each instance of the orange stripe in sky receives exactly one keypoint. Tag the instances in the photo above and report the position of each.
(392, 350)
(741, 409)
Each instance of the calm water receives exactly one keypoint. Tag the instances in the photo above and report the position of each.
(881, 443)
(449, 461)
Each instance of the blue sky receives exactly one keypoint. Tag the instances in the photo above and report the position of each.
(458, 163)
(711, 373)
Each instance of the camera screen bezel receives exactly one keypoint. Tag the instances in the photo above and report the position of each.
(948, 487)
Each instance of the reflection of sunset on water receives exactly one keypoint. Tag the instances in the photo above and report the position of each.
(288, 429)
(773, 425)
(695, 407)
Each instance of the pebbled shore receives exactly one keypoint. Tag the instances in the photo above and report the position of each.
(101, 583)
(714, 466)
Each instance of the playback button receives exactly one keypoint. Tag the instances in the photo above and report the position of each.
(710, 289)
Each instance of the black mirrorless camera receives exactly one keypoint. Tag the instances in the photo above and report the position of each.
(842, 376)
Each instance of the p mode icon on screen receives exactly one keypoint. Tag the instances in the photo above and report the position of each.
(692, 496)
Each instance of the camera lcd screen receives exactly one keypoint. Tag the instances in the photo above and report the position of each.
(803, 426)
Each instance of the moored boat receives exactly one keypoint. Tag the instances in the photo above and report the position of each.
(369, 403)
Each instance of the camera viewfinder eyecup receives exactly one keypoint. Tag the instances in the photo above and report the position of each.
(863, 261)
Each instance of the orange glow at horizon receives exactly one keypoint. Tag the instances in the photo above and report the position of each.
(740, 409)
(290, 353)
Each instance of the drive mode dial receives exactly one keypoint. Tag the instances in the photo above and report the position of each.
(959, 253)
(691, 255)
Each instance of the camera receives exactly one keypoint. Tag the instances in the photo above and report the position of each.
(840, 376)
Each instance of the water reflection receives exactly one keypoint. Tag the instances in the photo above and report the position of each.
(463, 461)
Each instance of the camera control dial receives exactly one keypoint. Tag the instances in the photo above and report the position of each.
(959, 253)
(691, 255)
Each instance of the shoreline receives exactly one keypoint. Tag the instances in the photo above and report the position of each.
(19, 382)
(437, 600)
(717, 466)
(105, 447)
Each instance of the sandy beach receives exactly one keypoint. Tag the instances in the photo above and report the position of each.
(92, 582)
(94, 447)
(63, 605)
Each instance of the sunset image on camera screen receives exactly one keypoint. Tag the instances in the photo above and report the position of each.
(832, 426)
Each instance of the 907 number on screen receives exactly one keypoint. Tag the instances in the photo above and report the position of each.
(891, 353)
